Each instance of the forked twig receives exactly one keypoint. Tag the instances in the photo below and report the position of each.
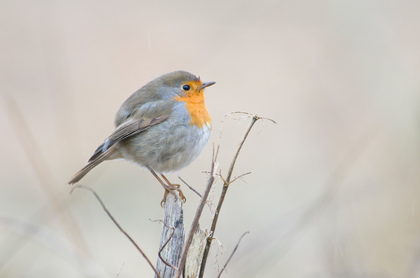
(197, 215)
(231, 255)
(240, 177)
(226, 184)
(116, 223)
(250, 115)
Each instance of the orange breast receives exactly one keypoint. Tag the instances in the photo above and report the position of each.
(197, 108)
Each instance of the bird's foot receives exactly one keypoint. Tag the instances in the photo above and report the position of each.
(173, 189)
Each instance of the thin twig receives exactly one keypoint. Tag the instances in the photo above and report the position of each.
(247, 115)
(197, 215)
(232, 165)
(164, 245)
(231, 255)
(240, 177)
(226, 184)
(250, 115)
(190, 187)
(116, 223)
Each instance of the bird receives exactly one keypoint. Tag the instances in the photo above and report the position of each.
(162, 127)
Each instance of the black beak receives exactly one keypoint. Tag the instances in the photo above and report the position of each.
(206, 84)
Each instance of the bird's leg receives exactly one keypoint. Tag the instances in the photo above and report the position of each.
(168, 187)
(177, 187)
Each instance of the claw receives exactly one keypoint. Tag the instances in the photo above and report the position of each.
(164, 199)
(174, 187)
(182, 196)
(169, 187)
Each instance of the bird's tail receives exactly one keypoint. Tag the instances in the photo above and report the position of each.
(79, 175)
(93, 162)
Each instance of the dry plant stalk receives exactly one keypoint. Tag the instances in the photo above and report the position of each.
(226, 183)
(172, 239)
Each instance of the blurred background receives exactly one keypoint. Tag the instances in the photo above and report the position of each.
(334, 189)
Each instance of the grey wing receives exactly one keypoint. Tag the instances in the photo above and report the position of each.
(127, 129)
(137, 108)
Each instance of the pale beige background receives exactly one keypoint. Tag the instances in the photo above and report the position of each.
(334, 189)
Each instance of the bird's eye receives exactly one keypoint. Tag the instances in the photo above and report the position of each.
(186, 87)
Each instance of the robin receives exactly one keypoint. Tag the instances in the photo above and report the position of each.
(162, 127)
